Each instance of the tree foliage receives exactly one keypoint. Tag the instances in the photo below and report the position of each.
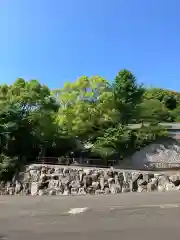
(153, 110)
(86, 106)
(127, 95)
(89, 110)
(170, 102)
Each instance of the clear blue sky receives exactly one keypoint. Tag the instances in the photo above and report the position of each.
(59, 40)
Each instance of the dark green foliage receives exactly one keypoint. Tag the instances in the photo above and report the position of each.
(127, 95)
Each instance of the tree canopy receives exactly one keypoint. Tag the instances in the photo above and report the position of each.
(89, 110)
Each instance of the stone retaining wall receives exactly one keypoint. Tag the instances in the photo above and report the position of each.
(162, 155)
(59, 180)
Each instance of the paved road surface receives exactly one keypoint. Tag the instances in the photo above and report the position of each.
(128, 216)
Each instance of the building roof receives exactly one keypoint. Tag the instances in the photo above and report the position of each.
(166, 125)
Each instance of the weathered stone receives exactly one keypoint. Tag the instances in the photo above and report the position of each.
(135, 176)
(81, 175)
(111, 180)
(81, 181)
(66, 192)
(82, 191)
(88, 181)
(115, 189)
(94, 177)
(61, 188)
(99, 191)
(150, 176)
(107, 190)
(44, 170)
(161, 188)
(170, 187)
(125, 190)
(42, 192)
(127, 176)
(102, 182)
(116, 179)
(95, 185)
(142, 188)
(154, 181)
(105, 174)
(110, 174)
(33, 175)
(90, 190)
(65, 181)
(53, 183)
(34, 188)
(134, 184)
(176, 183)
(18, 187)
(27, 188)
(74, 191)
(58, 192)
(151, 187)
(142, 182)
(87, 171)
(52, 192)
(126, 187)
(142, 185)
(163, 180)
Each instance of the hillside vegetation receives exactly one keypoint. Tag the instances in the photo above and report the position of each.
(89, 110)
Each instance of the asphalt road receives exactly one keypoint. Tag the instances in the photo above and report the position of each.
(128, 216)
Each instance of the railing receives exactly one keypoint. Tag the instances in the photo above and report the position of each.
(163, 165)
(74, 161)
(99, 163)
(47, 160)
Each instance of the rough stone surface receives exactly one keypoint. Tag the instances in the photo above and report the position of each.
(49, 180)
(159, 155)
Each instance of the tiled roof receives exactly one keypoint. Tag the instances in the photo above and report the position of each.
(166, 125)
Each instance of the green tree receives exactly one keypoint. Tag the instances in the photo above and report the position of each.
(26, 109)
(127, 95)
(168, 98)
(122, 141)
(170, 102)
(86, 106)
(147, 134)
(176, 114)
(156, 94)
(154, 111)
(113, 143)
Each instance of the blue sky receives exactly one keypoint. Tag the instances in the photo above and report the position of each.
(59, 40)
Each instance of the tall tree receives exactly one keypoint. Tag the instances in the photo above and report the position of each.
(26, 109)
(127, 95)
